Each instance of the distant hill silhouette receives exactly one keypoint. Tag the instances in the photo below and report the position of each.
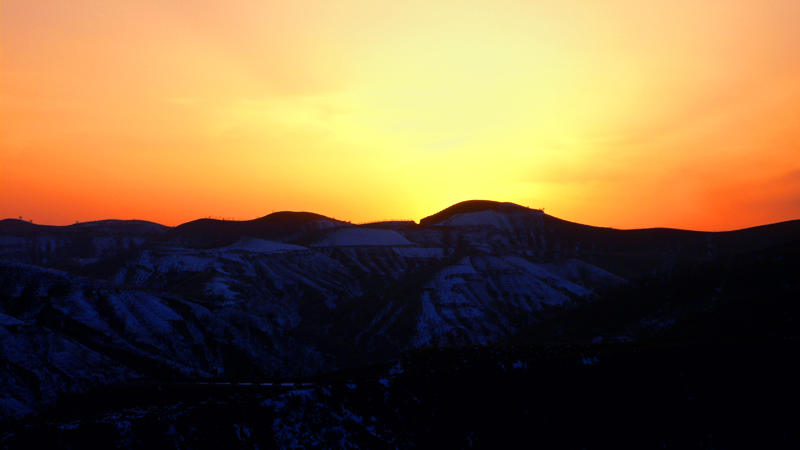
(630, 254)
(16, 227)
(468, 206)
(280, 226)
(633, 254)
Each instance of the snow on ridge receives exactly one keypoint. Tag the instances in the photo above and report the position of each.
(119, 226)
(6, 320)
(165, 259)
(546, 275)
(255, 245)
(492, 218)
(219, 286)
(182, 262)
(575, 269)
(362, 236)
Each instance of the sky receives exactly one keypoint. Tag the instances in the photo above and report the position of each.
(627, 114)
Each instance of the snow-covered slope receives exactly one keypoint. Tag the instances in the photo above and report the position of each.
(72, 333)
(254, 245)
(40, 364)
(361, 236)
(469, 300)
(298, 293)
(504, 220)
(289, 293)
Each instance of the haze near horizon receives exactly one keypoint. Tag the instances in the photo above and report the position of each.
(627, 114)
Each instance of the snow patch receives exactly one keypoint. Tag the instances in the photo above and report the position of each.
(219, 287)
(361, 236)
(9, 321)
(254, 245)
(495, 219)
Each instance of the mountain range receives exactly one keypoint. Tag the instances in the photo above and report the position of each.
(297, 294)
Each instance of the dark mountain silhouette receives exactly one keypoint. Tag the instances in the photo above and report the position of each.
(300, 294)
(633, 254)
(16, 227)
(67, 247)
(636, 253)
(464, 207)
(281, 226)
(630, 254)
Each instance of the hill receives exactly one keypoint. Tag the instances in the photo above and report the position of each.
(297, 294)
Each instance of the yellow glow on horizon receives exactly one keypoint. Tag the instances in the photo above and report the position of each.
(619, 113)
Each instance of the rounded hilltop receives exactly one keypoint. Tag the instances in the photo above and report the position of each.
(470, 206)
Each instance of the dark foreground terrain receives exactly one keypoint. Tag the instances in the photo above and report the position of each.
(728, 393)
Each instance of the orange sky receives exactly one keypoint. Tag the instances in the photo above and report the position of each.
(628, 114)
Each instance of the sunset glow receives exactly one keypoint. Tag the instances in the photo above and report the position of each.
(627, 114)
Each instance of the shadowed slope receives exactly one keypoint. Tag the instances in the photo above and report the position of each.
(459, 208)
(281, 226)
(73, 246)
(21, 228)
(633, 254)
